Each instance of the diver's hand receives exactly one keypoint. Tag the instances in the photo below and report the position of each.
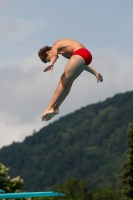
(99, 77)
(49, 67)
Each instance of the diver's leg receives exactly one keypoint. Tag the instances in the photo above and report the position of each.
(73, 69)
(62, 98)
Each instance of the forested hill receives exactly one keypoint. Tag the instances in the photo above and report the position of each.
(88, 144)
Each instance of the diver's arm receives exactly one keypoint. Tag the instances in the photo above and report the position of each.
(90, 69)
(54, 56)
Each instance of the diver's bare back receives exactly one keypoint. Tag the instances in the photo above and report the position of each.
(66, 47)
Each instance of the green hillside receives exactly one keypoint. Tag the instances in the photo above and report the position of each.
(88, 144)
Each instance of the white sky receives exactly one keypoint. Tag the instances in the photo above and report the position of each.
(105, 27)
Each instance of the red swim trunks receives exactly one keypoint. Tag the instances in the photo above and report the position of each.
(85, 54)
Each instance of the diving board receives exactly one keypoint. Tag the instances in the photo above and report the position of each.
(29, 194)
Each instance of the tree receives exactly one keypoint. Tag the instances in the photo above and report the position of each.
(106, 194)
(127, 177)
(74, 189)
(7, 184)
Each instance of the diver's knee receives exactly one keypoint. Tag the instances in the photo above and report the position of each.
(65, 81)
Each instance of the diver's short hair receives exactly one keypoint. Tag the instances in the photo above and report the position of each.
(42, 53)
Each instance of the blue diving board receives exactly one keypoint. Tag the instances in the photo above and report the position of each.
(30, 194)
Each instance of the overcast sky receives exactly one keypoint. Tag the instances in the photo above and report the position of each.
(105, 27)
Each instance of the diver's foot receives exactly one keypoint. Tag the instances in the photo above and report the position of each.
(99, 77)
(49, 113)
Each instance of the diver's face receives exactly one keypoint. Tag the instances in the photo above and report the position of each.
(46, 58)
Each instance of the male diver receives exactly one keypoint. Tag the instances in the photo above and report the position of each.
(79, 59)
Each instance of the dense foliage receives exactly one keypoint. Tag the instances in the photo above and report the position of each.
(88, 144)
(127, 177)
(76, 189)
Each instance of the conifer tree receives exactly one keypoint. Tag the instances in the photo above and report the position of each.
(126, 177)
